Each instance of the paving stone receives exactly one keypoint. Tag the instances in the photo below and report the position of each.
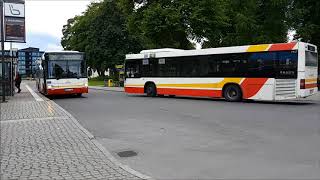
(40, 141)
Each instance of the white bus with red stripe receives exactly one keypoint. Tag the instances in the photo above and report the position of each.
(260, 72)
(61, 73)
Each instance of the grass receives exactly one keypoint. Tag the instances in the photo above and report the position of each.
(93, 82)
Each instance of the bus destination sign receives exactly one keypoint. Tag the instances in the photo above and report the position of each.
(62, 57)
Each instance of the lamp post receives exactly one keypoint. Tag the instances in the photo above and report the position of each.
(2, 52)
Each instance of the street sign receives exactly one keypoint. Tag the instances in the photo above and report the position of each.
(15, 29)
(14, 22)
(14, 10)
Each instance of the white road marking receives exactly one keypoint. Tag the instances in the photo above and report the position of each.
(35, 95)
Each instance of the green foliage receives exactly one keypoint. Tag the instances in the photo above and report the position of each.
(213, 23)
(96, 83)
(305, 19)
(99, 78)
(159, 24)
(241, 22)
(110, 29)
(101, 33)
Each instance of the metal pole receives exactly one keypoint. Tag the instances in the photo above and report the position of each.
(2, 52)
(12, 71)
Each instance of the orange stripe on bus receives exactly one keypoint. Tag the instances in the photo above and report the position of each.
(251, 86)
(282, 46)
(203, 85)
(195, 85)
(190, 92)
(311, 80)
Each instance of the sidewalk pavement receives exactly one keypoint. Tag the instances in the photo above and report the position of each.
(40, 140)
(116, 89)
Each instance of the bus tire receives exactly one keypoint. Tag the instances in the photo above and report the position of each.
(151, 90)
(232, 93)
(79, 94)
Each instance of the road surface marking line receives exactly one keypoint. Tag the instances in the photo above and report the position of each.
(35, 95)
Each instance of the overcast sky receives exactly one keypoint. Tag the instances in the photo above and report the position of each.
(44, 21)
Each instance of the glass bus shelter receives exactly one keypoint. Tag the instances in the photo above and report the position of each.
(10, 66)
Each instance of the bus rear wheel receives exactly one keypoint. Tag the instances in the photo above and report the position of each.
(232, 93)
(151, 90)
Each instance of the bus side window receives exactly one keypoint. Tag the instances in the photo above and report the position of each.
(133, 69)
(287, 64)
(262, 64)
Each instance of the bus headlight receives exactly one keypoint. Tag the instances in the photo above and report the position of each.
(86, 84)
(49, 86)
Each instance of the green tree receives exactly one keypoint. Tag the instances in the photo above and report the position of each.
(101, 33)
(214, 23)
(304, 18)
(157, 24)
(240, 22)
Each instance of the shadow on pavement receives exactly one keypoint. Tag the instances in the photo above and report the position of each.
(65, 97)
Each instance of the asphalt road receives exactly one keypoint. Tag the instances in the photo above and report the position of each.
(188, 138)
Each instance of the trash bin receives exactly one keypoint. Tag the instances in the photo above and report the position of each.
(110, 83)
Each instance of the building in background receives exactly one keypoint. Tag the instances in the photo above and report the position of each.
(27, 61)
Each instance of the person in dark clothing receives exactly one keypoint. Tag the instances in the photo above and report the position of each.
(18, 82)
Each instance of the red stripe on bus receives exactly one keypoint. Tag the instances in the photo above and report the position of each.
(178, 92)
(251, 86)
(62, 91)
(134, 90)
(282, 46)
(190, 92)
(308, 86)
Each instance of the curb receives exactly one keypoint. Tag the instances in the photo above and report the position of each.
(104, 89)
(101, 148)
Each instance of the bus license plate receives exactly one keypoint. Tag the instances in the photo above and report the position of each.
(68, 90)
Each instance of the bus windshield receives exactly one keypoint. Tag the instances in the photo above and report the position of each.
(66, 69)
(311, 59)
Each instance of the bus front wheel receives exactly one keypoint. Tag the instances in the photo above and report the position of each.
(232, 93)
(151, 90)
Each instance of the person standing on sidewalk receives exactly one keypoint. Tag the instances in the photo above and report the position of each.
(18, 82)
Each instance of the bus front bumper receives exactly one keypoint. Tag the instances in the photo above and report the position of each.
(67, 91)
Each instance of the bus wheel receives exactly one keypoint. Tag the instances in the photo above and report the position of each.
(232, 93)
(151, 90)
(79, 95)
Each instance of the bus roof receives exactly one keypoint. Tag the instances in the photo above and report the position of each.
(160, 50)
(220, 50)
(63, 52)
